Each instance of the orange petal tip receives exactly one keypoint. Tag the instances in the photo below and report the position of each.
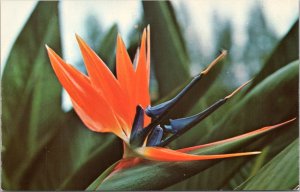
(78, 38)
(238, 89)
(214, 62)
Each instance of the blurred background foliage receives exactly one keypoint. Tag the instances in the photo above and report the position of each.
(46, 148)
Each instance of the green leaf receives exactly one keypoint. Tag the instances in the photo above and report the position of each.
(74, 158)
(168, 52)
(163, 174)
(31, 95)
(102, 177)
(273, 144)
(281, 173)
(286, 52)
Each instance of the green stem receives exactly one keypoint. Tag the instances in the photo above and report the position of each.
(95, 185)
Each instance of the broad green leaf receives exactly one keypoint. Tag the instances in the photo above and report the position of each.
(275, 143)
(168, 53)
(204, 180)
(74, 158)
(102, 177)
(281, 173)
(31, 95)
(286, 52)
(273, 100)
(163, 174)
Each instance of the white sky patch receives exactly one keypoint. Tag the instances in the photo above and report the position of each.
(281, 14)
(74, 14)
(14, 13)
(13, 17)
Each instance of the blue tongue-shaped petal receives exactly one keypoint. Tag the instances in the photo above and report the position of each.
(161, 109)
(180, 126)
(155, 136)
(177, 125)
(138, 124)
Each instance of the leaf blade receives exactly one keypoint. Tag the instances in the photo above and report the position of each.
(281, 173)
(30, 87)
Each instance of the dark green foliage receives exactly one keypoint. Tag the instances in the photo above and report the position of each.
(281, 173)
(31, 96)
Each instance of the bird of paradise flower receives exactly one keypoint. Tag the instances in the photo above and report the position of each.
(122, 105)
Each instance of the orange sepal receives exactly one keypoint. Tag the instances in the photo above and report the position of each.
(249, 134)
(91, 107)
(142, 76)
(105, 83)
(126, 75)
(163, 154)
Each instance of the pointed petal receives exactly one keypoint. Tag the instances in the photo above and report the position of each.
(143, 75)
(249, 134)
(148, 49)
(126, 75)
(97, 69)
(91, 107)
(163, 154)
(105, 82)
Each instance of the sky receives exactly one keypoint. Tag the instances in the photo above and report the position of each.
(14, 13)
